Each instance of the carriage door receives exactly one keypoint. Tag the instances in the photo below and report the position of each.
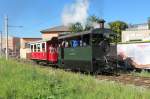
(62, 53)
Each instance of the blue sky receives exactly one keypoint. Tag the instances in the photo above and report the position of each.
(36, 15)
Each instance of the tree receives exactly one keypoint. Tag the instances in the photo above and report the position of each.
(91, 20)
(149, 23)
(88, 27)
(76, 27)
(118, 26)
(89, 23)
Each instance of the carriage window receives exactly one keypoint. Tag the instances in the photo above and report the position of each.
(66, 44)
(86, 40)
(34, 48)
(38, 47)
(52, 50)
(78, 43)
(31, 48)
(43, 47)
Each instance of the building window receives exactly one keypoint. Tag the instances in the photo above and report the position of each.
(27, 45)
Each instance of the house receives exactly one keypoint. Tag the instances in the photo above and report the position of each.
(136, 32)
(13, 45)
(17, 47)
(54, 32)
(24, 46)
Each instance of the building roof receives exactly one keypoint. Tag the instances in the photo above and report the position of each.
(30, 38)
(56, 29)
(142, 26)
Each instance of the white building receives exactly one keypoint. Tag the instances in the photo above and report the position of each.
(137, 32)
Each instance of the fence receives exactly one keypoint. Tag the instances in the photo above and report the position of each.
(135, 54)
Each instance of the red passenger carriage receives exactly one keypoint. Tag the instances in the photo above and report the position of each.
(44, 51)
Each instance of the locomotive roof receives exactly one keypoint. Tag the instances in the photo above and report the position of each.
(93, 31)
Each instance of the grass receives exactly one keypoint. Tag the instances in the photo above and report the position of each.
(24, 81)
(142, 73)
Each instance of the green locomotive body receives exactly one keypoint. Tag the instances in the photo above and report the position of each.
(90, 51)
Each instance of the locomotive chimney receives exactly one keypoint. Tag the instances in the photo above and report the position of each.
(101, 23)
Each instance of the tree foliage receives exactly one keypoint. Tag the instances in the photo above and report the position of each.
(76, 27)
(118, 26)
(149, 23)
(91, 20)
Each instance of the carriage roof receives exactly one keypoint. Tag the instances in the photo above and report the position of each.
(42, 41)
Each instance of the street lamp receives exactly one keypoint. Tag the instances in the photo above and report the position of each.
(6, 32)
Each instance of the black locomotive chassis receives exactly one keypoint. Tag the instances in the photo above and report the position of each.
(89, 66)
(79, 65)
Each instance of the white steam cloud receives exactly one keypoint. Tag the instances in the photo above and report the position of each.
(76, 12)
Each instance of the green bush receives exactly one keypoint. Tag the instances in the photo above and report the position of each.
(143, 73)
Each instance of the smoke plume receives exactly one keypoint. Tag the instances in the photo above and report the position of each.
(76, 12)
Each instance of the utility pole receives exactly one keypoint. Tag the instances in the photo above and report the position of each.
(1, 43)
(6, 33)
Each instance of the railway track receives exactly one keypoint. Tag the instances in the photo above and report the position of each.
(127, 79)
(121, 78)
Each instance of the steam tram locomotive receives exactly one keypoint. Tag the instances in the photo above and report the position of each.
(90, 51)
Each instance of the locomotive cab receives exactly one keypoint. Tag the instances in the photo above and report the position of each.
(90, 51)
